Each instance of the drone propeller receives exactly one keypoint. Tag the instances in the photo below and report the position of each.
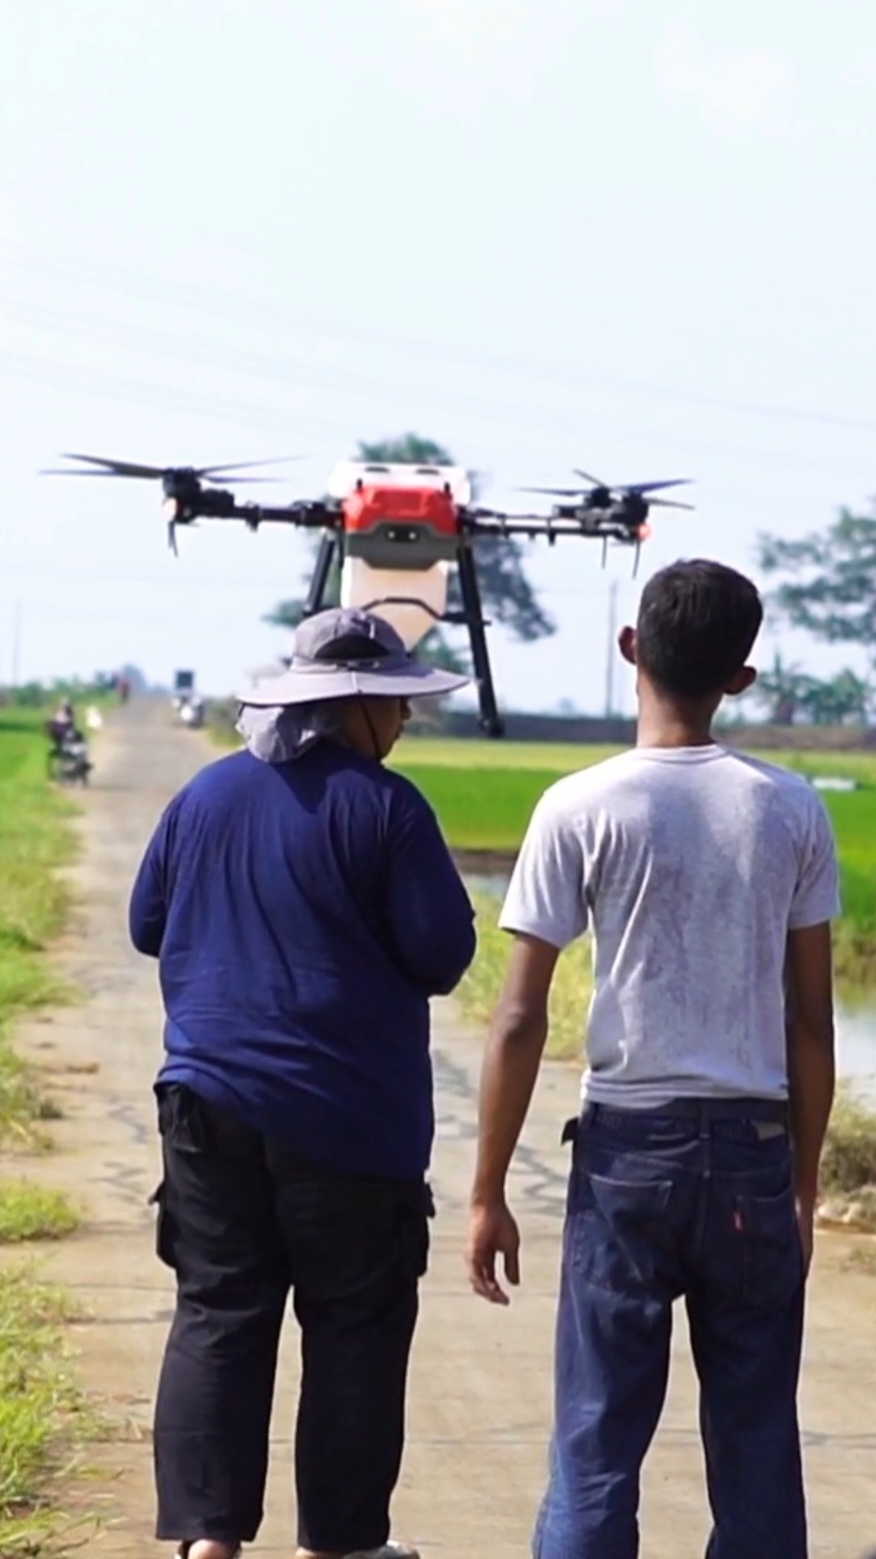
(222, 471)
(668, 503)
(653, 487)
(555, 492)
(127, 468)
(107, 468)
(631, 490)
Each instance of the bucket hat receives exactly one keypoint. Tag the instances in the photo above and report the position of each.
(344, 652)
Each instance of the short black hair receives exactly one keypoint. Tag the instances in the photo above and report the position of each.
(697, 623)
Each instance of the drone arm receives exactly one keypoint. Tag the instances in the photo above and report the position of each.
(216, 504)
(492, 522)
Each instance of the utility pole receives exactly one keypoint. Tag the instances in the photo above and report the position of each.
(611, 650)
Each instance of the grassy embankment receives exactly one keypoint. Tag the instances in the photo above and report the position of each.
(42, 1414)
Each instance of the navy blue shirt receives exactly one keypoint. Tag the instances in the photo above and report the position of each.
(303, 913)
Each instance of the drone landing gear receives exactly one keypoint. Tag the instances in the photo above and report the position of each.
(490, 721)
(325, 557)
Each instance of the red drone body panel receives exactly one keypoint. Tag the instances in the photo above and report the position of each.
(372, 505)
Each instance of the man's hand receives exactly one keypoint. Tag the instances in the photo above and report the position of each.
(492, 1232)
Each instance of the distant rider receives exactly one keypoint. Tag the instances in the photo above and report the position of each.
(62, 728)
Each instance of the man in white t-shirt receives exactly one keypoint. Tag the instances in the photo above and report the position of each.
(708, 880)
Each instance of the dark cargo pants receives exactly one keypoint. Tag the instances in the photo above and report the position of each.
(243, 1222)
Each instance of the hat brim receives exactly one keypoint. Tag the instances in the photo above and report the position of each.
(306, 685)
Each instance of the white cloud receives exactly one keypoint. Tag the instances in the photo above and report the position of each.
(737, 92)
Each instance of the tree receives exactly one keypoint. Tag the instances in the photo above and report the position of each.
(784, 690)
(791, 694)
(842, 698)
(830, 584)
(507, 594)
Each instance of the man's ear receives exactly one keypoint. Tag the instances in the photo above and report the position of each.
(626, 643)
(741, 681)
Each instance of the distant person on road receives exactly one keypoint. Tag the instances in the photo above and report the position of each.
(709, 880)
(304, 908)
(62, 727)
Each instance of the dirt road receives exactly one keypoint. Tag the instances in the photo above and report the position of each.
(480, 1392)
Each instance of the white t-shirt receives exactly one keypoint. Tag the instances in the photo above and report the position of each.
(690, 864)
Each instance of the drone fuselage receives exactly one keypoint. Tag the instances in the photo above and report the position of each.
(398, 527)
(400, 516)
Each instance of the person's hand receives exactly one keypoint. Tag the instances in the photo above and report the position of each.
(806, 1228)
(492, 1232)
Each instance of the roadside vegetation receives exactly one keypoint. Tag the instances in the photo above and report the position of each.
(570, 992)
(43, 1416)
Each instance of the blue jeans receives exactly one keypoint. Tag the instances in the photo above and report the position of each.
(695, 1201)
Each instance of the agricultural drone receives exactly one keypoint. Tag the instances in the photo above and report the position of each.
(396, 530)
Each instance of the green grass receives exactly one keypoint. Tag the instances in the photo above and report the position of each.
(44, 1417)
(34, 1212)
(35, 841)
(848, 1166)
(449, 752)
(849, 1161)
(570, 992)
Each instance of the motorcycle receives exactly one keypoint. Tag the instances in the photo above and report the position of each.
(191, 713)
(69, 762)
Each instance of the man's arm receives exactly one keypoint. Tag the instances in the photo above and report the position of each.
(430, 913)
(811, 1060)
(147, 912)
(511, 1063)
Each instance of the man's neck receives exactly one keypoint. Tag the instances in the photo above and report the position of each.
(670, 722)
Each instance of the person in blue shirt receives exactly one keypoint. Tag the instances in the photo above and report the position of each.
(303, 908)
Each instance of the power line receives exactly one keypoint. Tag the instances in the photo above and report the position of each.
(224, 305)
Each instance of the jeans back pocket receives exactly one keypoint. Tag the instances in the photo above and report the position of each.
(616, 1229)
(772, 1256)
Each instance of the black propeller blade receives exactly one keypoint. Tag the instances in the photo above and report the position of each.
(556, 492)
(653, 487)
(127, 468)
(244, 465)
(668, 503)
(112, 468)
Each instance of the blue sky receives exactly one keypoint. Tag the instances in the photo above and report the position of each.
(584, 232)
